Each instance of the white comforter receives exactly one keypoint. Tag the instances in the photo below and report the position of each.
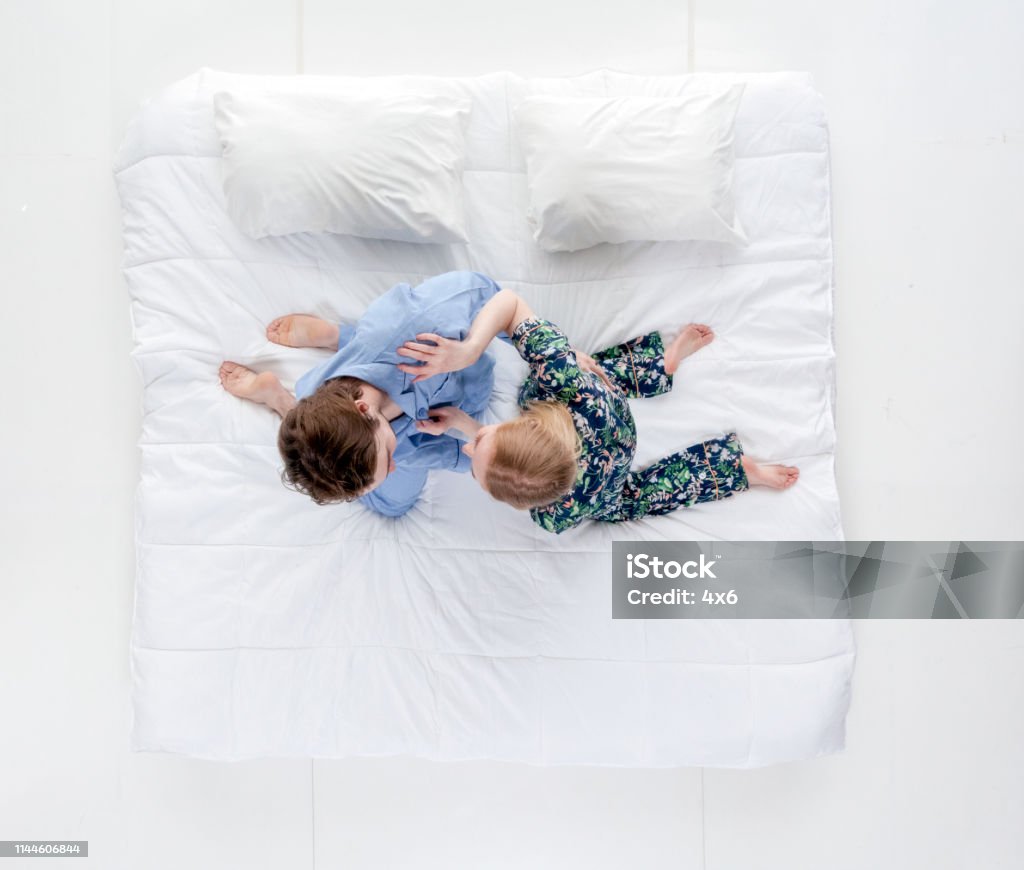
(268, 626)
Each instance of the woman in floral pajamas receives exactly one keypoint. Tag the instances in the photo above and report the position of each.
(568, 457)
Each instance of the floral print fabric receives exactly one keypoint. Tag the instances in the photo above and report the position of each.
(606, 489)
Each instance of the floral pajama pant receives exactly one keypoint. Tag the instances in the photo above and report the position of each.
(708, 471)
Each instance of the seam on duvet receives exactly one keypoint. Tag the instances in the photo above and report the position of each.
(508, 128)
(509, 171)
(752, 707)
(707, 361)
(833, 405)
(270, 448)
(532, 656)
(574, 282)
(520, 551)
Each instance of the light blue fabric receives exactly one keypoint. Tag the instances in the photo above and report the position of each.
(446, 305)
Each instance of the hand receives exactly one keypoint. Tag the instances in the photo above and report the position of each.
(445, 355)
(443, 419)
(589, 364)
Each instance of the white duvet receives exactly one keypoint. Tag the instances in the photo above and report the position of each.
(268, 626)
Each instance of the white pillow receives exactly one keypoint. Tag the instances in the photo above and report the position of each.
(630, 168)
(387, 167)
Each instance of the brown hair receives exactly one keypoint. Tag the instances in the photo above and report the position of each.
(328, 445)
(536, 457)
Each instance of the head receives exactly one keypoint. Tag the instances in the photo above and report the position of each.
(529, 461)
(336, 444)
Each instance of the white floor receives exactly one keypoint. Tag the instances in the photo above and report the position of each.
(926, 103)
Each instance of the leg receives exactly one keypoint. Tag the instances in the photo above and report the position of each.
(637, 367)
(263, 388)
(303, 330)
(709, 471)
(642, 368)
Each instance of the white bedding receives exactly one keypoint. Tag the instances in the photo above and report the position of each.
(268, 626)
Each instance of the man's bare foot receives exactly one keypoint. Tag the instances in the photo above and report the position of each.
(691, 338)
(774, 476)
(263, 388)
(303, 330)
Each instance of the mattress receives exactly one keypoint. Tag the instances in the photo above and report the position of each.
(265, 625)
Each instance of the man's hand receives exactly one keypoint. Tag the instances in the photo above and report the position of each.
(444, 355)
(589, 364)
(448, 417)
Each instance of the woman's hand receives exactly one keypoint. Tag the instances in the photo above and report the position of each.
(448, 417)
(445, 355)
(588, 364)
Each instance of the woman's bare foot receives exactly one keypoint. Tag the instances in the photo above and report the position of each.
(691, 339)
(263, 388)
(303, 330)
(774, 476)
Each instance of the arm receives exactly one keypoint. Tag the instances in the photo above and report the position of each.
(503, 313)
(589, 364)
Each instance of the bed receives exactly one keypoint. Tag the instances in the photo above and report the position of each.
(265, 625)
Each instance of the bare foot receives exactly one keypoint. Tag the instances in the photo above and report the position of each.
(774, 476)
(691, 339)
(263, 388)
(303, 330)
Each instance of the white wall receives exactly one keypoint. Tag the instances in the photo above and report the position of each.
(927, 115)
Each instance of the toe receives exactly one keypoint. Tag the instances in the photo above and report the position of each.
(704, 334)
(281, 331)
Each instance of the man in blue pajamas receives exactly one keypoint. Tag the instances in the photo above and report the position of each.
(351, 428)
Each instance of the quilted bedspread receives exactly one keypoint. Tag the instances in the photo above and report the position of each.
(266, 625)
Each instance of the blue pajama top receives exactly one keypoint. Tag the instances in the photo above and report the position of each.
(446, 305)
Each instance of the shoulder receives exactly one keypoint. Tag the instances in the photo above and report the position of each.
(541, 343)
(536, 332)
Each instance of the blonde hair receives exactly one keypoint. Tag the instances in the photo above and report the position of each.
(536, 457)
